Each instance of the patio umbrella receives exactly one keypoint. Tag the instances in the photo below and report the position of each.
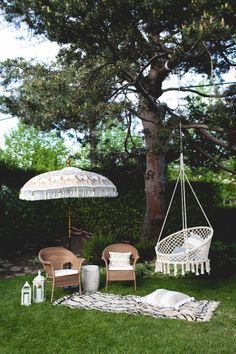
(69, 182)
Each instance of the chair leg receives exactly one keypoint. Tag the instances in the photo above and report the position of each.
(52, 291)
(80, 290)
(106, 282)
(135, 287)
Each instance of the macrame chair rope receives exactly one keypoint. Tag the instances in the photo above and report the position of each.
(174, 255)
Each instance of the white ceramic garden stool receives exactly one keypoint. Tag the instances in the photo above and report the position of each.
(90, 278)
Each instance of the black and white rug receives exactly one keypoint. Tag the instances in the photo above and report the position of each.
(133, 305)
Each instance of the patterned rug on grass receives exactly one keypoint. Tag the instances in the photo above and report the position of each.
(133, 305)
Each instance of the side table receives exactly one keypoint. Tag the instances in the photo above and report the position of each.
(90, 278)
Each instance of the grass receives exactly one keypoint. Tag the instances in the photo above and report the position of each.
(44, 328)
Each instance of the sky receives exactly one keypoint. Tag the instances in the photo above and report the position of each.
(28, 47)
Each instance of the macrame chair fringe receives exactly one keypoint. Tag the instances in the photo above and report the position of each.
(183, 268)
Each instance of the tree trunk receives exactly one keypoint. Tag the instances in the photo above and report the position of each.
(155, 176)
(93, 139)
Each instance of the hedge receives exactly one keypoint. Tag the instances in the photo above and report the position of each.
(119, 219)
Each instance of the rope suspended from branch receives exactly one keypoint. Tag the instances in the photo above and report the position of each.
(185, 250)
(182, 179)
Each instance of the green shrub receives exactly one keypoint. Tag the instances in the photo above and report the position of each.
(24, 222)
(223, 259)
(93, 247)
(121, 217)
(146, 250)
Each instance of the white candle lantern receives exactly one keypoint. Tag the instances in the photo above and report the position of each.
(26, 295)
(38, 288)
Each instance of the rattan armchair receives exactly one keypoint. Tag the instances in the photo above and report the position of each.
(53, 260)
(120, 274)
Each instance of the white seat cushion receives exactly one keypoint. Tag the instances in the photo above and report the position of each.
(63, 272)
(130, 267)
(119, 259)
(193, 241)
(167, 298)
(178, 249)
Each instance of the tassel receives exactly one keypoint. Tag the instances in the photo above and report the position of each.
(208, 266)
(157, 268)
(183, 272)
(160, 267)
(164, 268)
(175, 269)
(192, 268)
(197, 273)
(202, 268)
(168, 268)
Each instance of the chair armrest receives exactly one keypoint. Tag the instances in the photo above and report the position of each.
(135, 261)
(77, 263)
(49, 269)
(105, 260)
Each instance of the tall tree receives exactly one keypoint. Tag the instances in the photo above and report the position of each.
(135, 46)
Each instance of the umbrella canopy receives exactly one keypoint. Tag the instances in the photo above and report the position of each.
(70, 182)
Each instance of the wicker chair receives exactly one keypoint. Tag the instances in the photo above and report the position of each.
(120, 274)
(53, 260)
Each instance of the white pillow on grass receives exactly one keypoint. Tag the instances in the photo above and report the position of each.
(167, 298)
(119, 259)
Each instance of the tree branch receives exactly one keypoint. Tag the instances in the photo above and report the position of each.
(147, 65)
(142, 90)
(216, 141)
(128, 135)
(213, 160)
(184, 89)
(203, 126)
(218, 46)
(209, 157)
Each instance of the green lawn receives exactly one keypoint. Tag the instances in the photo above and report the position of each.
(44, 328)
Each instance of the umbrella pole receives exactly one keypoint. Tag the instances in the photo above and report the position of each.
(69, 228)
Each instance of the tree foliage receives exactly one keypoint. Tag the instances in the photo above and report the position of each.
(127, 50)
(114, 43)
(28, 148)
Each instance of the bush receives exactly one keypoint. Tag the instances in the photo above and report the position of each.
(93, 248)
(221, 220)
(223, 259)
(24, 222)
(121, 217)
(146, 250)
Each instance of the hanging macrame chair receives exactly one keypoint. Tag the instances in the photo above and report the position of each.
(186, 250)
